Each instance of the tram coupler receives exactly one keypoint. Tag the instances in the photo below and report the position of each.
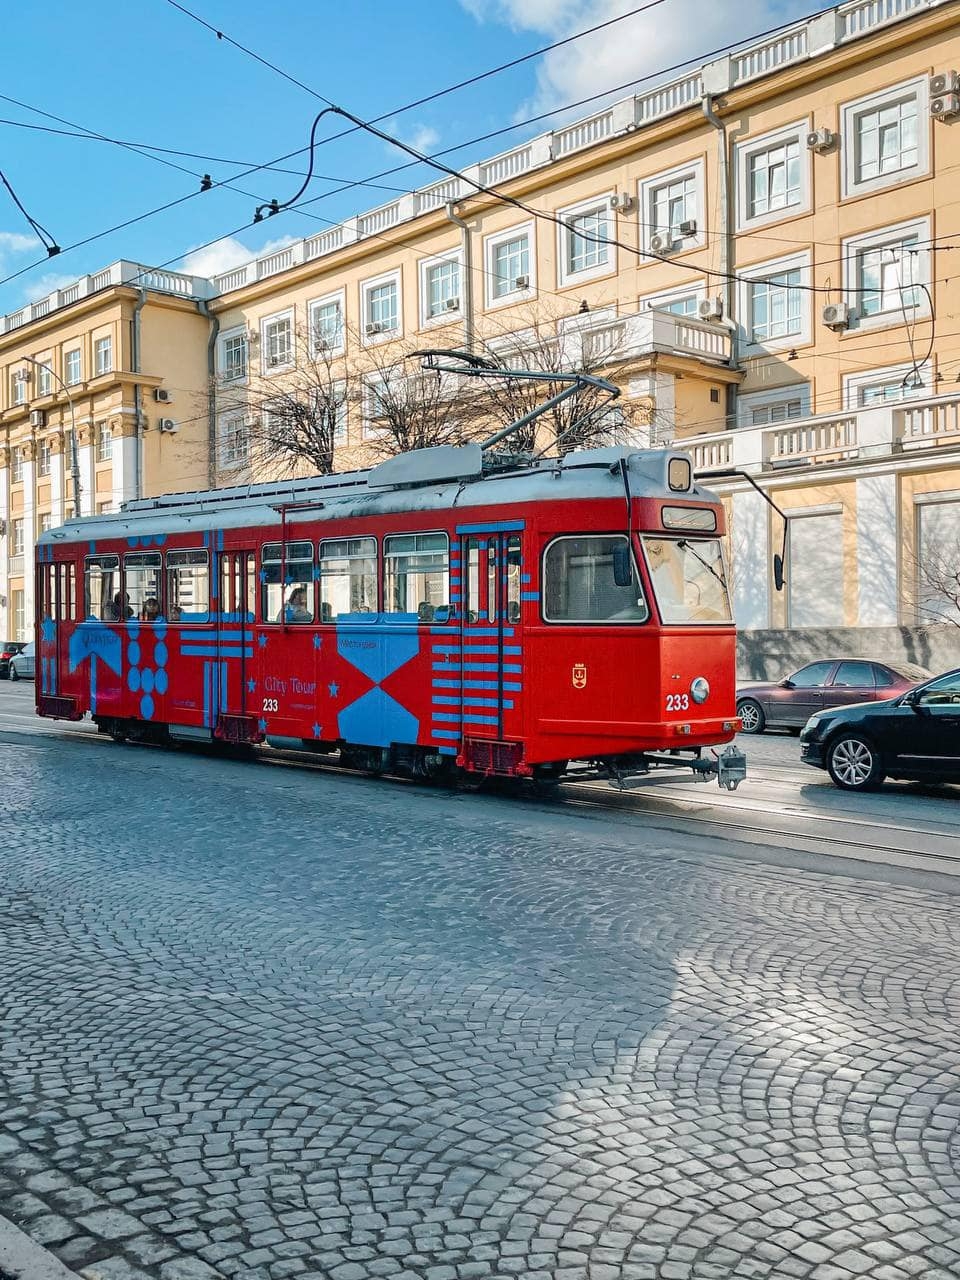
(731, 768)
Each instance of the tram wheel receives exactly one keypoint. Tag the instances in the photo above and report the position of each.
(854, 763)
(751, 713)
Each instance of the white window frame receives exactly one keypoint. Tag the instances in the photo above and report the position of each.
(230, 335)
(18, 388)
(230, 422)
(340, 430)
(648, 188)
(660, 301)
(855, 383)
(761, 399)
(73, 351)
(17, 536)
(366, 288)
(855, 245)
(490, 246)
(426, 265)
(44, 458)
(16, 464)
(103, 442)
(745, 151)
(45, 377)
(278, 317)
(339, 299)
(98, 349)
(851, 112)
(598, 204)
(759, 272)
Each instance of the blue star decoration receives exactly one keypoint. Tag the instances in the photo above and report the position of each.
(316, 641)
(251, 686)
(262, 640)
(262, 726)
(316, 731)
(333, 690)
(49, 630)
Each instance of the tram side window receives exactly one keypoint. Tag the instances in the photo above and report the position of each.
(288, 588)
(348, 577)
(102, 588)
(592, 579)
(61, 603)
(188, 586)
(416, 570)
(514, 579)
(143, 583)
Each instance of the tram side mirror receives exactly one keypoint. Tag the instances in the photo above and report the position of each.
(778, 572)
(622, 565)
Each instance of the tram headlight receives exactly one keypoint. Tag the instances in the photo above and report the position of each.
(700, 689)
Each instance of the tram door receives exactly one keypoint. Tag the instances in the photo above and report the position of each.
(492, 646)
(235, 630)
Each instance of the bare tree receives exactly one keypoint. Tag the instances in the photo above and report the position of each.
(938, 581)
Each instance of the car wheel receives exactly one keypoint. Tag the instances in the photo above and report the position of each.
(751, 713)
(854, 764)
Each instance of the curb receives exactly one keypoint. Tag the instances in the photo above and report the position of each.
(23, 1259)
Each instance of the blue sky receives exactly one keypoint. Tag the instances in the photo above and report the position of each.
(146, 73)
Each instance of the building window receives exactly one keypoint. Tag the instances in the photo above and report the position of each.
(776, 305)
(380, 307)
(876, 387)
(773, 176)
(18, 388)
(104, 442)
(509, 265)
(104, 508)
(671, 208)
(326, 325)
(72, 368)
(44, 380)
(885, 138)
(103, 355)
(16, 542)
(677, 302)
(16, 465)
(46, 522)
(584, 247)
(771, 408)
(439, 288)
(233, 356)
(883, 272)
(277, 342)
(43, 458)
(18, 610)
(233, 441)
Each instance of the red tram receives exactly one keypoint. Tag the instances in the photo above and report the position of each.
(424, 616)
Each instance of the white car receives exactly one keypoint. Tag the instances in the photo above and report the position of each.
(23, 665)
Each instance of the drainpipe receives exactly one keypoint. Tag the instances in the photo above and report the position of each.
(466, 287)
(138, 396)
(726, 244)
(204, 310)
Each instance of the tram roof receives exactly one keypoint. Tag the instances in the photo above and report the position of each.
(439, 479)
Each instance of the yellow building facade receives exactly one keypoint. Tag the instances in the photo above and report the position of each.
(757, 252)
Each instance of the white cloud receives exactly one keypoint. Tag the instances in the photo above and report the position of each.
(422, 138)
(46, 284)
(638, 46)
(225, 254)
(12, 242)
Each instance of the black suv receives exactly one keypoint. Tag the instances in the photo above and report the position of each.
(7, 650)
(915, 736)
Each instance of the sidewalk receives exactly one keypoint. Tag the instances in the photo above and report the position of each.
(21, 1259)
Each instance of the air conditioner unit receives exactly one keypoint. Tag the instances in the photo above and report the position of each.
(946, 82)
(38, 418)
(689, 227)
(821, 140)
(452, 304)
(522, 282)
(372, 329)
(275, 360)
(836, 315)
(623, 201)
(710, 309)
(660, 243)
(168, 426)
(948, 104)
(162, 395)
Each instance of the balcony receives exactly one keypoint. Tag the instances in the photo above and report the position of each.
(829, 440)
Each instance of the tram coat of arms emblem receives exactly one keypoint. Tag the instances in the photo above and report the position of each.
(579, 675)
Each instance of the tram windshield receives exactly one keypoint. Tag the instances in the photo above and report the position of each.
(689, 580)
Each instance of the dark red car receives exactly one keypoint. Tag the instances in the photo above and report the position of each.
(8, 649)
(832, 682)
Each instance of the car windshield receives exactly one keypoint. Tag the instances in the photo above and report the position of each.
(689, 580)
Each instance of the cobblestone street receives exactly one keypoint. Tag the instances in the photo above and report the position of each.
(265, 1022)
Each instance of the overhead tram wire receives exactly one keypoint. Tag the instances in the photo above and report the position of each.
(46, 239)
